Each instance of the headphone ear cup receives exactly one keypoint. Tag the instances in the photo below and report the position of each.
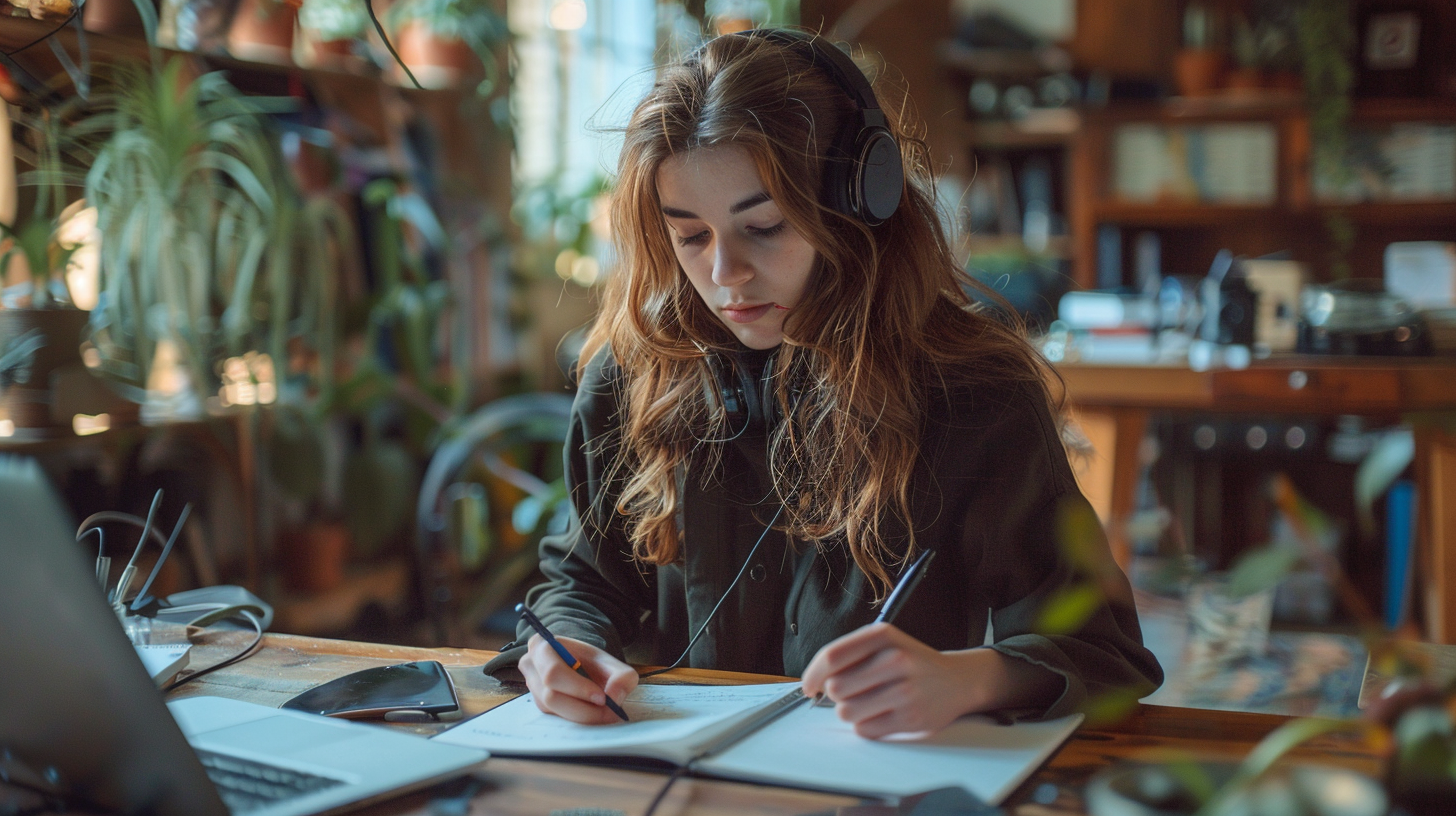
(880, 175)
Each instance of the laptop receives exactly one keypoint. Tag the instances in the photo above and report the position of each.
(81, 719)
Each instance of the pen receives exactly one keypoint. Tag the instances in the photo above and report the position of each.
(909, 579)
(566, 656)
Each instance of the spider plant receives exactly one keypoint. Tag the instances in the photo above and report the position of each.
(206, 245)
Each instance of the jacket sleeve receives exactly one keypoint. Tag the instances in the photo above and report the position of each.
(1036, 538)
(593, 591)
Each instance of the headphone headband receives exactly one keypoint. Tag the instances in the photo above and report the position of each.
(831, 60)
(864, 177)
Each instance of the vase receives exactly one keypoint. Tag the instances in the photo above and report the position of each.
(262, 31)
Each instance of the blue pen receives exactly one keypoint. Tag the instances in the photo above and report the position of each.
(909, 579)
(566, 656)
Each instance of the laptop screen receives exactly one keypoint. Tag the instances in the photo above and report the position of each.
(79, 716)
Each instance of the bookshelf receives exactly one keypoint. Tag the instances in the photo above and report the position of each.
(1291, 218)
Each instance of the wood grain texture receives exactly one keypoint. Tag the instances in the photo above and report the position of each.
(289, 664)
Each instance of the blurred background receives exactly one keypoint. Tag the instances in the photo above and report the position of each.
(320, 269)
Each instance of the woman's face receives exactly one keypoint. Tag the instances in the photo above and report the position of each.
(748, 264)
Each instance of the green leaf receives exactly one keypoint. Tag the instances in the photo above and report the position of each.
(1069, 610)
(1260, 570)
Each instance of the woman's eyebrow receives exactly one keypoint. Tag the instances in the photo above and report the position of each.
(746, 204)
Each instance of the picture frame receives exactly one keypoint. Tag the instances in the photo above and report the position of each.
(1394, 51)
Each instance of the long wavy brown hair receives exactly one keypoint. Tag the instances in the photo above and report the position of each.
(885, 318)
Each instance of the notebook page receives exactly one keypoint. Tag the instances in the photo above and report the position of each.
(810, 747)
(667, 722)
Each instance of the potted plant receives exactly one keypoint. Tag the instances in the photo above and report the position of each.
(1198, 66)
(331, 29)
(207, 250)
(262, 30)
(40, 324)
(441, 42)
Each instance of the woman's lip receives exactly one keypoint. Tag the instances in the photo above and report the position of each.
(747, 315)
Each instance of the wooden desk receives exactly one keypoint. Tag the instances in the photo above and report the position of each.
(288, 665)
(1114, 403)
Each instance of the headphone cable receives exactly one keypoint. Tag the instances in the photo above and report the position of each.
(701, 629)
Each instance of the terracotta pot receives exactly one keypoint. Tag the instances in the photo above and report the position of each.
(25, 389)
(337, 54)
(437, 62)
(1244, 80)
(112, 17)
(262, 31)
(1198, 71)
(315, 556)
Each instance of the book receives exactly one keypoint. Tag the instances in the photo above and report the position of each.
(770, 733)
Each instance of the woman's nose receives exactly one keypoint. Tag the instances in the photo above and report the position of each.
(730, 266)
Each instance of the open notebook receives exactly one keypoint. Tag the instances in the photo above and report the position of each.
(769, 733)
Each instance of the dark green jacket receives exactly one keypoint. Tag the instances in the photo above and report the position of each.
(992, 478)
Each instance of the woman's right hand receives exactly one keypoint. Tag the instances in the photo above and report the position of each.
(559, 690)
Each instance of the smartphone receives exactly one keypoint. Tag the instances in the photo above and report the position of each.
(421, 686)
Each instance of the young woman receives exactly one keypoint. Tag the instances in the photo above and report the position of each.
(787, 396)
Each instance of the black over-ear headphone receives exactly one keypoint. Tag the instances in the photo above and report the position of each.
(747, 401)
(864, 177)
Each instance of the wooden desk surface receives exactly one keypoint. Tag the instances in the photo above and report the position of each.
(288, 665)
(1287, 384)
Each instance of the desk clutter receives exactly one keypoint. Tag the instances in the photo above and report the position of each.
(1246, 308)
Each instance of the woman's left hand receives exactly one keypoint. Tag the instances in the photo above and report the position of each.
(884, 681)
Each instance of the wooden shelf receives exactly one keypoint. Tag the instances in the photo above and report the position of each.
(250, 76)
(1058, 246)
(1041, 130)
(1182, 214)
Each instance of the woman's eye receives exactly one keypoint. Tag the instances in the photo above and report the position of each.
(769, 232)
(698, 238)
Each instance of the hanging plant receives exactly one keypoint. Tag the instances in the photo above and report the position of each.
(1326, 46)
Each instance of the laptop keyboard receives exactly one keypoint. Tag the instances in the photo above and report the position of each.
(247, 785)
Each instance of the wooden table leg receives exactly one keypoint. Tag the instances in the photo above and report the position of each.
(1110, 477)
(1436, 485)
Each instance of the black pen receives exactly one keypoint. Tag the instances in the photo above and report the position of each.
(909, 579)
(566, 656)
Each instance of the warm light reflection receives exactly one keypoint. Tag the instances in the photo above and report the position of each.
(584, 270)
(568, 15)
(78, 231)
(564, 262)
(85, 425)
(90, 355)
(7, 428)
(248, 380)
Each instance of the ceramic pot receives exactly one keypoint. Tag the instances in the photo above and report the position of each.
(1198, 71)
(262, 31)
(437, 62)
